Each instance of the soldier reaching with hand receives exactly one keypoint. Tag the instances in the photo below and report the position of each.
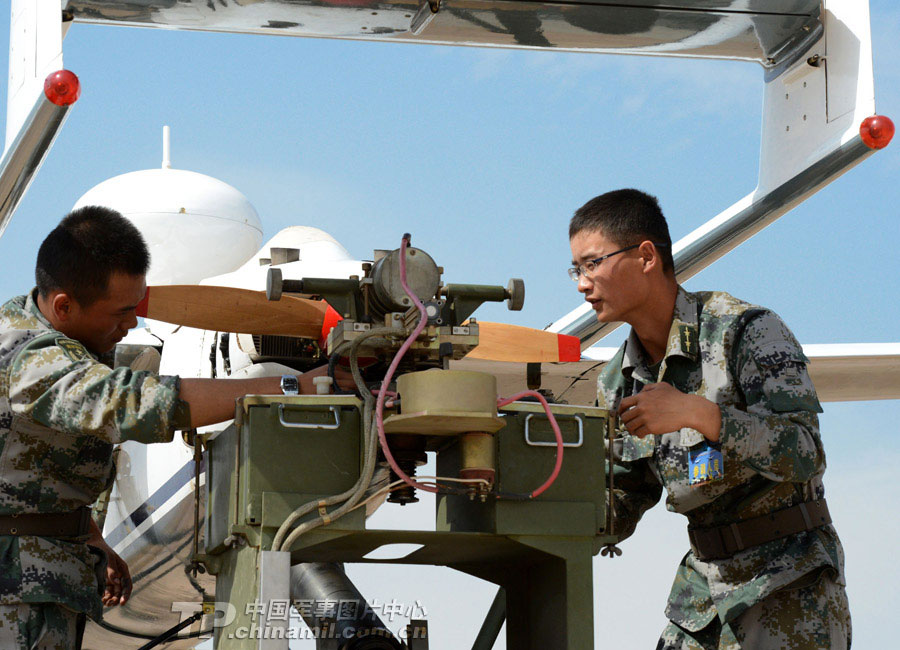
(61, 413)
(718, 408)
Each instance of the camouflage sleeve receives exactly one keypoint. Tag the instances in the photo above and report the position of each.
(777, 433)
(55, 382)
(635, 487)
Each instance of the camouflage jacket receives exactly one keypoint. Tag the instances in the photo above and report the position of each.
(744, 359)
(61, 412)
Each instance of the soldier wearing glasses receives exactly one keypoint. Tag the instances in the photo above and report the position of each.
(717, 407)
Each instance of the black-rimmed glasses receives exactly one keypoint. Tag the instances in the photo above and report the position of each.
(587, 269)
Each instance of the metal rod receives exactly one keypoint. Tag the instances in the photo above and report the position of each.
(26, 154)
(493, 622)
(720, 235)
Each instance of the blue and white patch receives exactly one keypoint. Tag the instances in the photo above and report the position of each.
(705, 465)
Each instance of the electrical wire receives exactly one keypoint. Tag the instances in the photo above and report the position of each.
(391, 487)
(553, 423)
(351, 498)
(370, 444)
(379, 404)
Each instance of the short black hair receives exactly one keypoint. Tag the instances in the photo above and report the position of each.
(627, 217)
(89, 245)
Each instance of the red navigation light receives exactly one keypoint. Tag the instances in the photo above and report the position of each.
(876, 131)
(62, 87)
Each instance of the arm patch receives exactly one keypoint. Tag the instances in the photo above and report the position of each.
(71, 348)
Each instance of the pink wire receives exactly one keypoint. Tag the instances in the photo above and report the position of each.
(559, 441)
(383, 391)
(379, 404)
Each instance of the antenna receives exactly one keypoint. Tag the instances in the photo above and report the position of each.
(166, 163)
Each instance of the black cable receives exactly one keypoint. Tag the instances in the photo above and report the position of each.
(137, 635)
(172, 631)
(332, 364)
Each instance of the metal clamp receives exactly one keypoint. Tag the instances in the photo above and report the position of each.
(529, 441)
(335, 410)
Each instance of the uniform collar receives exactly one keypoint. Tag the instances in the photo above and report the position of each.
(683, 340)
(32, 308)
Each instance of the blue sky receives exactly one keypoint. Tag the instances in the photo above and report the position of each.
(483, 155)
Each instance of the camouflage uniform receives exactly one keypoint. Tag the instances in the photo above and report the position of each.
(744, 359)
(61, 412)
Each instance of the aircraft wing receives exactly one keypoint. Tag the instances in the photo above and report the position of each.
(847, 372)
(770, 32)
(842, 372)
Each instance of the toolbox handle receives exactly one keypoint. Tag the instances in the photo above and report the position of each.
(335, 410)
(535, 443)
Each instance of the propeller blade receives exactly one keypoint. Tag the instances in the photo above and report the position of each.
(226, 309)
(502, 342)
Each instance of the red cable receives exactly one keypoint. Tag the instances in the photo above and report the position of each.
(556, 432)
(379, 404)
(382, 393)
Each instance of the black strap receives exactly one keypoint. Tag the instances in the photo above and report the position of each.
(50, 524)
(721, 542)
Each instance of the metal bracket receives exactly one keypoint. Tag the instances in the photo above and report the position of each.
(534, 443)
(335, 410)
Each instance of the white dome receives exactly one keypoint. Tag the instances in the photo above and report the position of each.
(195, 226)
(320, 256)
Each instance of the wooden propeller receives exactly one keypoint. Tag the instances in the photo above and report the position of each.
(502, 342)
(227, 309)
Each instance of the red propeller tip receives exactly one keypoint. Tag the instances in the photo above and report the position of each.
(569, 348)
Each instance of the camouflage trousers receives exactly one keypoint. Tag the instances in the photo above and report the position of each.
(40, 626)
(806, 617)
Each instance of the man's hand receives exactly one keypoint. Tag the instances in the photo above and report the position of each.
(662, 408)
(343, 378)
(118, 580)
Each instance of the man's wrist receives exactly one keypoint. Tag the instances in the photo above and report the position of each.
(708, 418)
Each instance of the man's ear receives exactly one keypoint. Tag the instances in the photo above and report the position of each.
(61, 304)
(649, 256)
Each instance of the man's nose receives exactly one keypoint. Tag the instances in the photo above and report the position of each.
(584, 283)
(131, 322)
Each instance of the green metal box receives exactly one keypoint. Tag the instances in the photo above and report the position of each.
(574, 505)
(266, 464)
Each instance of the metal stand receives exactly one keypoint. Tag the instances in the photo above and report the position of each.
(538, 550)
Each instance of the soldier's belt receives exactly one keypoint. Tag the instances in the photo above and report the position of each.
(724, 541)
(65, 524)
